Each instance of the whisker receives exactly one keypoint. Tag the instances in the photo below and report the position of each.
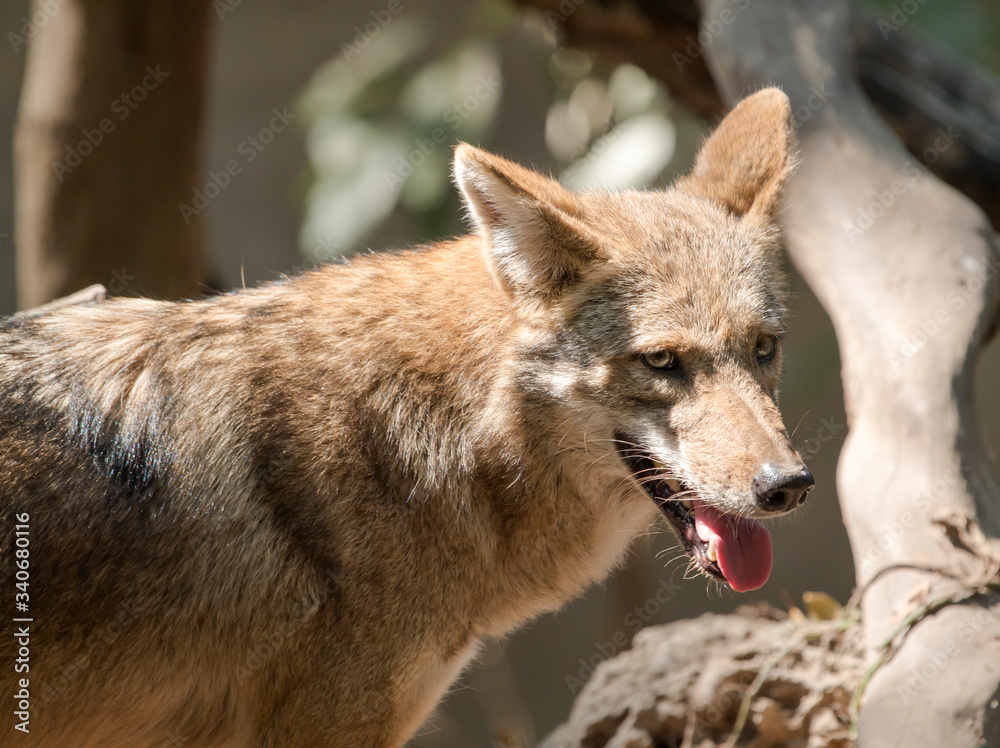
(792, 435)
(693, 570)
(565, 433)
(584, 441)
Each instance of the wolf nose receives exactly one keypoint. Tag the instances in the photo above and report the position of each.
(778, 490)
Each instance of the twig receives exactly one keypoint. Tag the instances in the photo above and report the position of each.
(895, 640)
(751, 692)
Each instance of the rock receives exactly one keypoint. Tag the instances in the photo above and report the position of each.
(685, 683)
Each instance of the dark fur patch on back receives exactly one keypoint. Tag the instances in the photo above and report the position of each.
(282, 481)
(125, 471)
(131, 465)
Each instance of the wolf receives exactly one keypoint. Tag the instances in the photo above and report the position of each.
(290, 515)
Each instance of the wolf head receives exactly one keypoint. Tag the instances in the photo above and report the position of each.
(654, 321)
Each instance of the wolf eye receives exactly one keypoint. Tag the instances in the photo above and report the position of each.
(767, 346)
(661, 361)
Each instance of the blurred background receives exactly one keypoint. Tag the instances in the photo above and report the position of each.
(369, 112)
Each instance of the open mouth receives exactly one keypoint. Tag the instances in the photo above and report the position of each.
(732, 549)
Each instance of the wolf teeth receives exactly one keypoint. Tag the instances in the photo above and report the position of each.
(673, 485)
(713, 550)
(687, 504)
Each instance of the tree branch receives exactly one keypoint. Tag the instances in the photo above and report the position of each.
(909, 271)
(915, 84)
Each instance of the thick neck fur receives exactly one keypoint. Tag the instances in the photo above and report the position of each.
(448, 382)
(386, 378)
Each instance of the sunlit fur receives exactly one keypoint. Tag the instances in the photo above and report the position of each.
(288, 516)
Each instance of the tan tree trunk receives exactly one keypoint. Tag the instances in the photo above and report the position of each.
(909, 271)
(907, 268)
(107, 147)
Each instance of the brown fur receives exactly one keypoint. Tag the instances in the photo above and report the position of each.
(289, 515)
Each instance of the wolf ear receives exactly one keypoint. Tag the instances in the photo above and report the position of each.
(744, 163)
(534, 241)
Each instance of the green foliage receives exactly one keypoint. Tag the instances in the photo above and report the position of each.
(384, 115)
(971, 26)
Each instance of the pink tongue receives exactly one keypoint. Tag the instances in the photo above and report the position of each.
(744, 549)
